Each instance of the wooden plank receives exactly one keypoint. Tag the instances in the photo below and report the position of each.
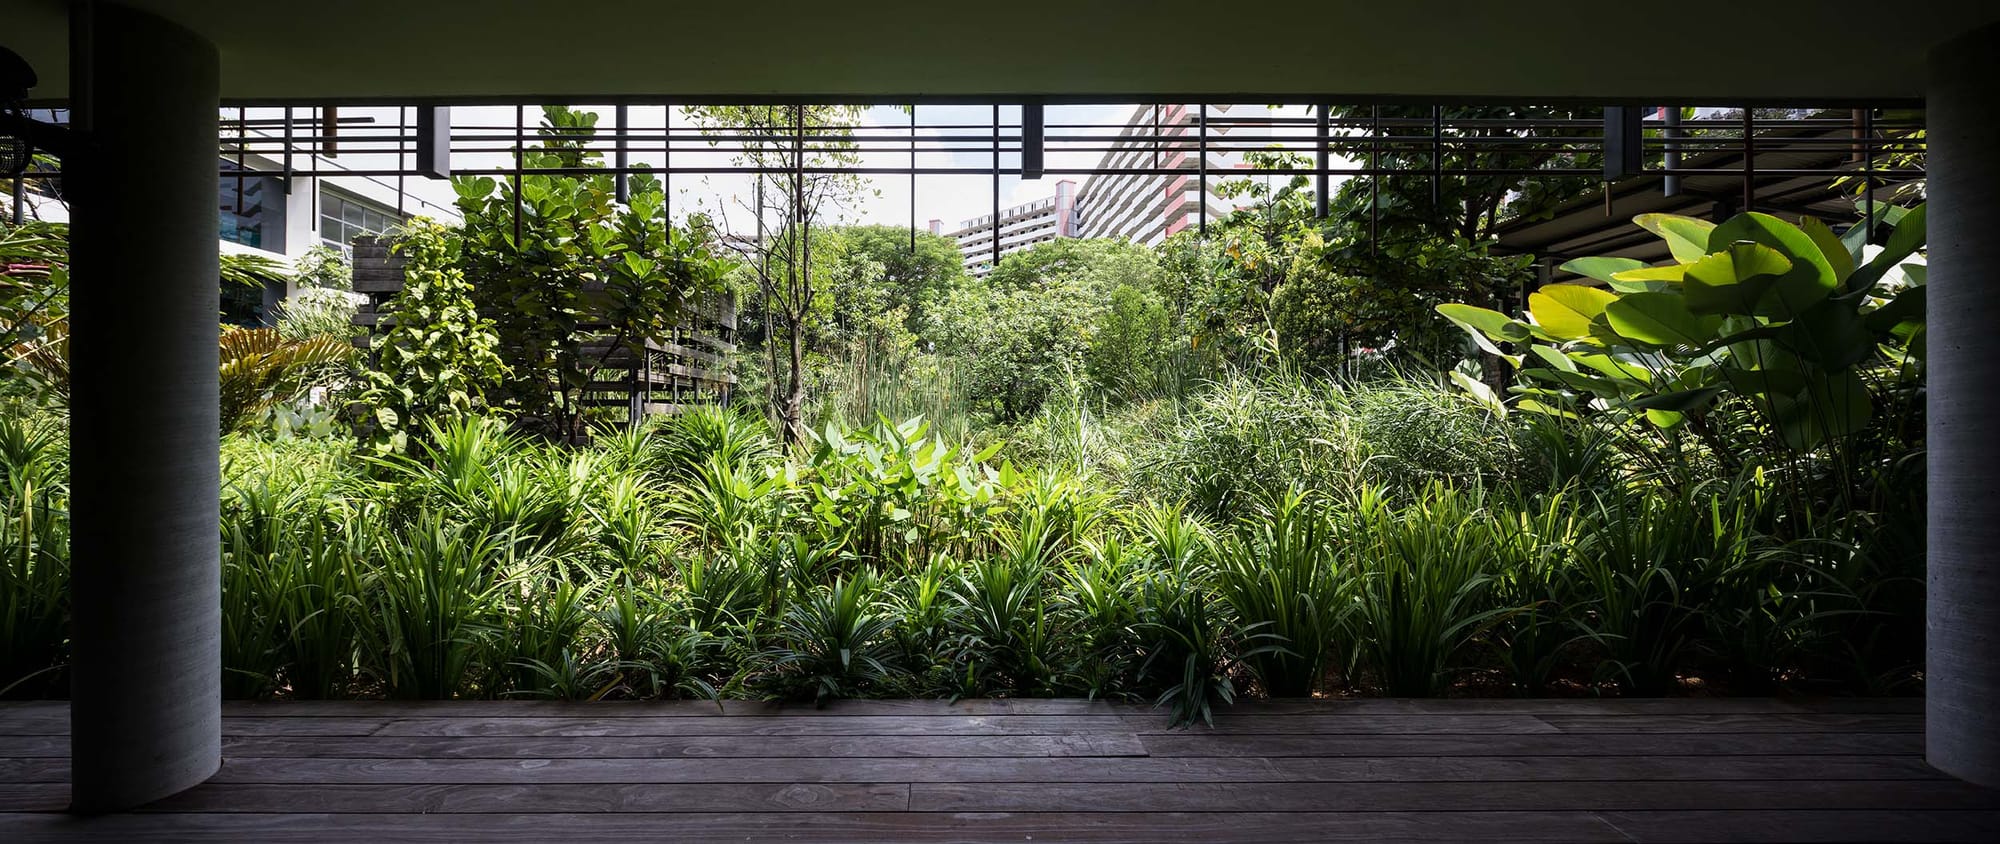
(829, 827)
(1598, 768)
(664, 708)
(1556, 744)
(1574, 706)
(1055, 706)
(1431, 796)
(725, 770)
(672, 747)
(901, 725)
(1778, 722)
(541, 797)
(1695, 827)
(40, 797)
(52, 770)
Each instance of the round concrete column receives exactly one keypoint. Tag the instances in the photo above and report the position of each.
(146, 716)
(1962, 675)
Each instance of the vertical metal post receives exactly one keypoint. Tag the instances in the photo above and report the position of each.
(913, 178)
(667, 163)
(996, 186)
(1321, 179)
(1437, 161)
(520, 153)
(434, 142)
(1868, 174)
(1749, 159)
(1374, 178)
(402, 149)
(287, 164)
(1671, 184)
(621, 185)
(1201, 202)
(1031, 141)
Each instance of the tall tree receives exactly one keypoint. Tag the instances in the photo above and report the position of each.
(797, 152)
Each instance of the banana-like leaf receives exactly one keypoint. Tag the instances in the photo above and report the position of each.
(1567, 310)
(1660, 319)
(1687, 238)
(1810, 277)
(1830, 246)
(1910, 235)
(1602, 269)
(1735, 279)
(1908, 306)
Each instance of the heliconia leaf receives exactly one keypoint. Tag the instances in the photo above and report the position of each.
(1908, 306)
(1567, 310)
(1554, 358)
(1670, 273)
(1687, 238)
(1487, 327)
(1679, 401)
(1830, 247)
(1810, 277)
(1910, 235)
(1734, 280)
(1601, 269)
(1660, 319)
(1480, 392)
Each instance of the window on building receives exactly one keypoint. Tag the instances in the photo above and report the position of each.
(252, 211)
(343, 217)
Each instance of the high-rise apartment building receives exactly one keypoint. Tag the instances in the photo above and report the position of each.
(1148, 208)
(1145, 208)
(1018, 228)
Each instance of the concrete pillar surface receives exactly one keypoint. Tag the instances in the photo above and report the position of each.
(146, 717)
(1962, 672)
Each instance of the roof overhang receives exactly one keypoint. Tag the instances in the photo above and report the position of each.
(1733, 51)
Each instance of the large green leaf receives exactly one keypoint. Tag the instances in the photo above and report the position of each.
(1660, 319)
(1830, 246)
(1810, 277)
(1644, 277)
(1687, 238)
(1601, 269)
(1679, 401)
(1907, 307)
(1486, 326)
(1910, 235)
(1735, 279)
(1567, 310)
(1830, 334)
(1829, 407)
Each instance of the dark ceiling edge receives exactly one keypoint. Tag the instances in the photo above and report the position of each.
(1049, 99)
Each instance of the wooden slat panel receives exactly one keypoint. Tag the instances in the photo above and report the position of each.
(1558, 744)
(1458, 796)
(541, 797)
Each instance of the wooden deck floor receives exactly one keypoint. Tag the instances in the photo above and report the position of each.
(1041, 771)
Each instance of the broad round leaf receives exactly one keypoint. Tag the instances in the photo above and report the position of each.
(1602, 269)
(1567, 310)
(1687, 238)
(1660, 319)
